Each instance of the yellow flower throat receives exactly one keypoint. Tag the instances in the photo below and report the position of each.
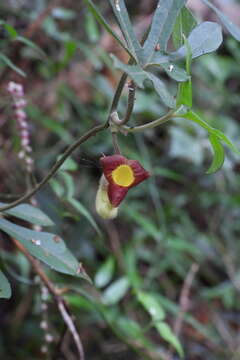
(123, 175)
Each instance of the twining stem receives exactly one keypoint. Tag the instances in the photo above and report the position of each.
(61, 304)
(152, 124)
(57, 165)
(72, 148)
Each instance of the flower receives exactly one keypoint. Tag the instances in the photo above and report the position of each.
(103, 206)
(121, 174)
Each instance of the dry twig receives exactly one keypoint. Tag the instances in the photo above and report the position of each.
(61, 304)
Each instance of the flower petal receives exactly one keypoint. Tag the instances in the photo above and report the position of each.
(110, 163)
(140, 174)
(116, 193)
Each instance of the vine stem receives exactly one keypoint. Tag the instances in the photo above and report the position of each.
(57, 165)
(152, 124)
(72, 148)
(61, 304)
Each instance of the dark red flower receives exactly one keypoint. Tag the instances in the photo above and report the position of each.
(122, 174)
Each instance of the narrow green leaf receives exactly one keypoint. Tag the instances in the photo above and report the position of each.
(191, 115)
(203, 39)
(69, 184)
(94, 10)
(9, 63)
(116, 291)
(105, 273)
(162, 90)
(167, 334)
(185, 23)
(139, 76)
(184, 96)
(69, 164)
(175, 72)
(31, 44)
(225, 139)
(131, 329)
(121, 13)
(161, 28)
(151, 305)
(5, 288)
(232, 28)
(159, 17)
(134, 71)
(63, 13)
(83, 211)
(11, 31)
(218, 152)
(91, 28)
(175, 7)
(29, 213)
(47, 247)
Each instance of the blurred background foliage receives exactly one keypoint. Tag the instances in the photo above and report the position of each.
(178, 218)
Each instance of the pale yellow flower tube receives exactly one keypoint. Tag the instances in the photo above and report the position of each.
(103, 206)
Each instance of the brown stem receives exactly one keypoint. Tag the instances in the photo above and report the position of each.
(62, 307)
(56, 166)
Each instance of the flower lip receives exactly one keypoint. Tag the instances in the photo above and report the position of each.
(121, 174)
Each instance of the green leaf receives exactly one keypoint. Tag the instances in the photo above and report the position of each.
(161, 90)
(184, 96)
(185, 23)
(175, 72)
(116, 291)
(167, 334)
(105, 273)
(121, 13)
(175, 7)
(134, 71)
(131, 329)
(69, 164)
(30, 44)
(5, 288)
(232, 28)
(203, 39)
(151, 305)
(139, 76)
(91, 28)
(29, 213)
(191, 115)
(11, 31)
(161, 27)
(218, 152)
(83, 211)
(69, 184)
(9, 63)
(47, 247)
(70, 48)
(63, 13)
(94, 10)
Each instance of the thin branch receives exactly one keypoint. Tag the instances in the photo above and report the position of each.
(152, 124)
(62, 307)
(184, 298)
(118, 92)
(130, 104)
(115, 143)
(57, 165)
